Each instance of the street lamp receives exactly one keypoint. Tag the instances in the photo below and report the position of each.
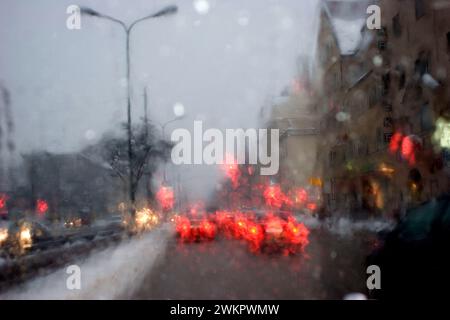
(178, 110)
(169, 10)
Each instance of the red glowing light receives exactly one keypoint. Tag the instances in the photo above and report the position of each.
(3, 199)
(207, 229)
(41, 206)
(165, 197)
(395, 142)
(231, 170)
(407, 145)
(408, 150)
(296, 233)
(301, 196)
(254, 236)
(183, 227)
(275, 198)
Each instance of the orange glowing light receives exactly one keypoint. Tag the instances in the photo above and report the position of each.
(386, 170)
(312, 206)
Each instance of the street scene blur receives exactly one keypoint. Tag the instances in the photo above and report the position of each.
(212, 149)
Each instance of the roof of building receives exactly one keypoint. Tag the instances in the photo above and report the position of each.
(347, 19)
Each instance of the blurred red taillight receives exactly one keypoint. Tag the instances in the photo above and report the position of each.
(296, 233)
(207, 229)
(183, 227)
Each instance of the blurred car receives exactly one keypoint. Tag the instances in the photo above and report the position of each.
(73, 222)
(283, 235)
(20, 236)
(195, 229)
(413, 258)
(264, 232)
(4, 232)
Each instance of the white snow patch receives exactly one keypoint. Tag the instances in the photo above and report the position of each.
(429, 81)
(346, 226)
(109, 274)
(348, 33)
(310, 221)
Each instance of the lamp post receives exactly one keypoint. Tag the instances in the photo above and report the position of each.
(163, 133)
(169, 10)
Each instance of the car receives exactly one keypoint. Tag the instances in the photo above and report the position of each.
(283, 235)
(21, 235)
(195, 229)
(264, 232)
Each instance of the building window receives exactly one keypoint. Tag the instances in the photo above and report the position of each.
(379, 137)
(382, 45)
(446, 157)
(350, 149)
(400, 71)
(363, 149)
(333, 189)
(387, 122)
(426, 118)
(448, 42)
(386, 79)
(402, 80)
(420, 8)
(397, 28)
(375, 94)
(332, 157)
(421, 65)
(387, 138)
(382, 38)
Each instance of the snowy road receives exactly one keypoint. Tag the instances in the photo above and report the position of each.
(157, 266)
(108, 274)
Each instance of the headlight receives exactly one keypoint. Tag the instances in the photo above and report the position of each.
(3, 235)
(25, 238)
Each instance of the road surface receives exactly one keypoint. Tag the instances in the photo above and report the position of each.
(156, 266)
(332, 267)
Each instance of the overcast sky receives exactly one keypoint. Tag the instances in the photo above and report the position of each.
(67, 86)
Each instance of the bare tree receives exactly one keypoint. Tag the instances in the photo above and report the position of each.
(148, 150)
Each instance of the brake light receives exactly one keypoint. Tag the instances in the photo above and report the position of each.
(296, 233)
(207, 229)
(183, 227)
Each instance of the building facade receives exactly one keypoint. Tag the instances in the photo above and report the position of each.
(382, 93)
